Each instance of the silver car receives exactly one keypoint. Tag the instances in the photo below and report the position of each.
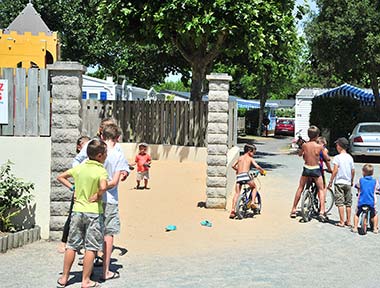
(365, 139)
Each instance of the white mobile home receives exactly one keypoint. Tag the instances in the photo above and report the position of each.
(303, 109)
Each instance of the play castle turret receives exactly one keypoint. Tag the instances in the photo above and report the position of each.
(28, 42)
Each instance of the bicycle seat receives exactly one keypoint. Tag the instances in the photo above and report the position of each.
(366, 207)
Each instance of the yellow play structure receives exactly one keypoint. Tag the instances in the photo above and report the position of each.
(28, 42)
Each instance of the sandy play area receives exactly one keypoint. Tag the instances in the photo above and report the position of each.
(176, 190)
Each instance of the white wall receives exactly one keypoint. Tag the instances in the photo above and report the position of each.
(32, 158)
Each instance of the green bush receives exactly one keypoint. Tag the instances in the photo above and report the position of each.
(285, 112)
(242, 112)
(15, 194)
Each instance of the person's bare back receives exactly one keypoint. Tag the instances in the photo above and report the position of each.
(310, 153)
(244, 163)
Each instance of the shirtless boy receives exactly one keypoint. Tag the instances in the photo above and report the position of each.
(242, 167)
(310, 152)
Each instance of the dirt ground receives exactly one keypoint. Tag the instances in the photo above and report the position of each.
(176, 191)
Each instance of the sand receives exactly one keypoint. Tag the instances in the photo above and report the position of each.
(176, 190)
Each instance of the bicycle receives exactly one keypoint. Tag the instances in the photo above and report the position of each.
(365, 222)
(310, 205)
(244, 203)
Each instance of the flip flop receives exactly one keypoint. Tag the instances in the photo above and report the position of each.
(115, 275)
(60, 285)
(232, 215)
(339, 225)
(170, 228)
(293, 215)
(206, 223)
(95, 285)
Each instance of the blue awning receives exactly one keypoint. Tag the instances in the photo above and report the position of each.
(253, 104)
(348, 90)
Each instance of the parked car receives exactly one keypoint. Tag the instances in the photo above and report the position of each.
(284, 126)
(365, 139)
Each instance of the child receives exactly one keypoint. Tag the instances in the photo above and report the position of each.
(114, 164)
(367, 197)
(82, 155)
(81, 141)
(242, 167)
(322, 141)
(310, 152)
(343, 175)
(143, 161)
(86, 228)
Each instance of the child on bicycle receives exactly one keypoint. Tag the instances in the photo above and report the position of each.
(367, 187)
(311, 169)
(242, 167)
(322, 141)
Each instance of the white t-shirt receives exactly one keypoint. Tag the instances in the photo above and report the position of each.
(345, 165)
(114, 162)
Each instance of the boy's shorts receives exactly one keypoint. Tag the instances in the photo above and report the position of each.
(371, 209)
(86, 230)
(142, 175)
(111, 219)
(343, 196)
(311, 171)
(242, 178)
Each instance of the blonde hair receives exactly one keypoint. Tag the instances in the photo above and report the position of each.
(368, 169)
(322, 140)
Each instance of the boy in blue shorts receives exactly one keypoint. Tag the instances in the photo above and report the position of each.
(87, 224)
(367, 197)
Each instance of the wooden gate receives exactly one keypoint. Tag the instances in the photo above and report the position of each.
(28, 102)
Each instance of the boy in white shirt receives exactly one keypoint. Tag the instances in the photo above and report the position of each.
(343, 174)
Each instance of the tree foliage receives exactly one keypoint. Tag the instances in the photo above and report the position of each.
(344, 38)
(199, 31)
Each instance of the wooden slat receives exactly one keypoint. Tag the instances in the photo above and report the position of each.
(44, 109)
(31, 113)
(196, 124)
(186, 124)
(178, 126)
(172, 124)
(162, 123)
(157, 122)
(8, 129)
(20, 103)
(191, 123)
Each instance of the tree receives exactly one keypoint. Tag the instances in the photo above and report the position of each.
(344, 38)
(198, 30)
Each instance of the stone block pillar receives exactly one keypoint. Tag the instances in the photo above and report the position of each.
(217, 138)
(66, 90)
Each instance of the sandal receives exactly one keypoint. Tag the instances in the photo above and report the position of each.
(293, 215)
(232, 215)
(60, 285)
(323, 218)
(115, 275)
(354, 230)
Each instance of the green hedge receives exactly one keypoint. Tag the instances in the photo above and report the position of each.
(339, 115)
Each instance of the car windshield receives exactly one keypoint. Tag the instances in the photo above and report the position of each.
(371, 128)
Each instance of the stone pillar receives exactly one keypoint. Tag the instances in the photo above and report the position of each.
(66, 90)
(217, 138)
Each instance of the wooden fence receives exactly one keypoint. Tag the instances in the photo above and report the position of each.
(157, 122)
(28, 102)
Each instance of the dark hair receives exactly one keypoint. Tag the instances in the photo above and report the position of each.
(81, 140)
(103, 123)
(249, 147)
(111, 131)
(313, 132)
(95, 147)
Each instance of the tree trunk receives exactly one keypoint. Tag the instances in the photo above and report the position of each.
(198, 70)
(263, 100)
(375, 91)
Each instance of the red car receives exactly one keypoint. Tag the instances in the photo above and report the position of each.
(284, 127)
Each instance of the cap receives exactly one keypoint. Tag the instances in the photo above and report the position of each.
(342, 142)
(143, 144)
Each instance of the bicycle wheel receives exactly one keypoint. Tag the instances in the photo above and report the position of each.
(306, 205)
(241, 206)
(363, 223)
(329, 200)
(258, 204)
